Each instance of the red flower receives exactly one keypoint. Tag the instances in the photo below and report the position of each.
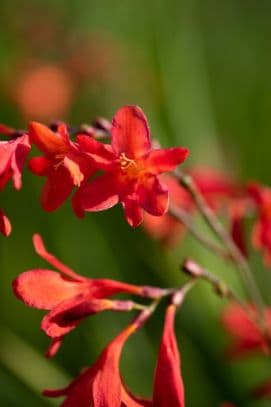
(101, 385)
(261, 234)
(246, 335)
(217, 188)
(132, 175)
(68, 296)
(64, 164)
(168, 383)
(12, 157)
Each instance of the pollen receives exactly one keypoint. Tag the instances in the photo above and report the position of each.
(126, 162)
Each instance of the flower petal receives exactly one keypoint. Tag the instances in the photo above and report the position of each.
(53, 348)
(132, 212)
(44, 289)
(57, 189)
(100, 194)
(40, 165)
(168, 383)
(159, 161)
(18, 159)
(5, 226)
(130, 132)
(68, 314)
(51, 259)
(153, 196)
(46, 140)
(101, 154)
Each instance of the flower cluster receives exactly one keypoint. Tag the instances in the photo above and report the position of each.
(106, 164)
(69, 298)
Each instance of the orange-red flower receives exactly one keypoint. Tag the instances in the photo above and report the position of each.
(64, 163)
(12, 157)
(168, 382)
(261, 234)
(131, 177)
(101, 385)
(68, 296)
(245, 332)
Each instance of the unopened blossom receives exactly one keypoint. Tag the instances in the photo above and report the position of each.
(67, 296)
(261, 233)
(132, 175)
(12, 157)
(246, 334)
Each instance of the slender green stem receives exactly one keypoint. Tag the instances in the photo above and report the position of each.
(186, 220)
(217, 227)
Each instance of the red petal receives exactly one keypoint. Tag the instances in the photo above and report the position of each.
(130, 132)
(107, 383)
(246, 336)
(44, 289)
(51, 259)
(68, 314)
(18, 159)
(57, 189)
(7, 148)
(153, 197)
(46, 140)
(101, 154)
(78, 393)
(5, 226)
(53, 349)
(132, 212)
(159, 161)
(6, 130)
(104, 287)
(168, 383)
(100, 194)
(256, 192)
(129, 400)
(40, 165)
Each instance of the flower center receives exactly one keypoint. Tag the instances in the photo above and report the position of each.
(126, 162)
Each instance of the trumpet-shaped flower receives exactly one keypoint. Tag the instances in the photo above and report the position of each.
(67, 296)
(132, 175)
(101, 385)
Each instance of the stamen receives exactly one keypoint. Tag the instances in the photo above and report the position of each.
(126, 162)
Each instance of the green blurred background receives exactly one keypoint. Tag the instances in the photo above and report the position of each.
(201, 72)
